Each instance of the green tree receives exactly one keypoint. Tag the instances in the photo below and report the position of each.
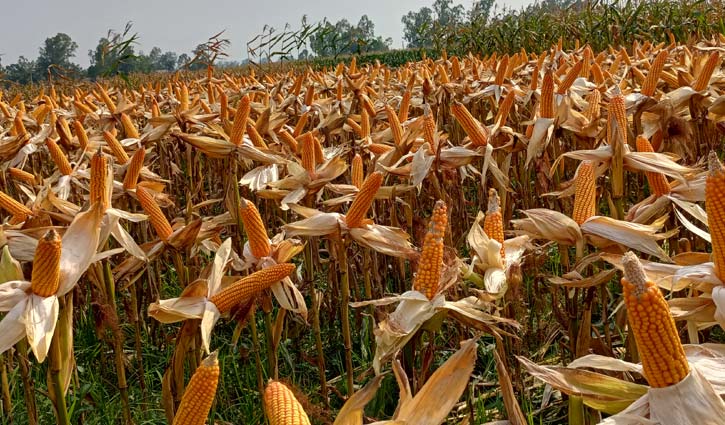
(55, 56)
(418, 28)
(23, 71)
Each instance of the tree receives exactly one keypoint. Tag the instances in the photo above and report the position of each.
(167, 62)
(344, 38)
(418, 28)
(480, 11)
(55, 55)
(21, 72)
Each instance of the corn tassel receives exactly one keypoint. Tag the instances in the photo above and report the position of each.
(45, 276)
(476, 132)
(585, 197)
(199, 394)
(657, 181)
(282, 406)
(715, 207)
(134, 169)
(240, 120)
(250, 285)
(58, 157)
(663, 358)
(157, 218)
(363, 200)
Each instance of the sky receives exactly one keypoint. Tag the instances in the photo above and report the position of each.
(180, 25)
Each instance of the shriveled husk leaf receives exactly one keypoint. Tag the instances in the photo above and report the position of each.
(543, 129)
(602, 392)
(12, 330)
(633, 235)
(515, 415)
(546, 224)
(718, 297)
(260, 177)
(351, 412)
(385, 240)
(80, 243)
(316, 225)
(40, 318)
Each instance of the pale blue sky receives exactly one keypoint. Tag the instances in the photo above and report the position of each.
(179, 25)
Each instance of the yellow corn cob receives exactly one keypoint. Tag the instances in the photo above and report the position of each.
(99, 173)
(156, 216)
(625, 56)
(199, 393)
(429, 129)
(493, 221)
(367, 104)
(41, 112)
(547, 96)
(501, 70)
(586, 62)
(476, 132)
(428, 276)
(617, 138)
(703, 78)
(650, 83)
(443, 73)
(63, 130)
(254, 136)
(282, 406)
(571, 76)
(14, 207)
(134, 169)
(715, 204)
(404, 106)
(597, 74)
(183, 98)
(310, 95)
(355, 126)
(363, 200)
(5, 110)
(378, 148)
(455, 68)
(58, 157)
(307, 152)
(657, 181)
(289, 140)
(45, 276)
(240, 120)
(357, 172)
(21, 175)
(128, 128)
(18, 125)
(319, 153)
(300, 124)
(505, 108)
(585, 197)
(364, 123)
(663, 358)
(254, 227)
(118, 152)
(395, 126)
(534, 84)
(250, 285)
(593, 109)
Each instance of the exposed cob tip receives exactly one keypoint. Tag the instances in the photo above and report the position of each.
(427, 278)
(158, 220)
(254, 226)
(585, 195)
(199, 394)
(634, 273)
(282, 406)
(714, 165)
(250, 285)
(45, 276)
(663, 357)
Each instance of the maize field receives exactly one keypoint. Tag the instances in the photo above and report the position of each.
(521, 238)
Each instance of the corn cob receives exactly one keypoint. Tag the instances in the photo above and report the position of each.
(134, 169)
(429, 129)
(63, 130)
(714, 188)
(585, 197)
(289, 140)
(158, 220)
(282, 406)
(404, 106)
(534, 84)
(617, 138)
(355, 126)
(493, 221)
(254, 226)
(21, 175)
(18, 125)
(657, 181)
(250, 285)
(58, 157)
(571, 76)
(15, 208)
(501, 70)
(476, 132)
(364, 123)
(118, 152)
(703, 78)
(505, 108)
(395, 126)
(128, 128)
(357, 171)
(456, 68)
(663, 358)
(650, 83)
(300, 124)
(319, 153)
(428, 276)
(199, 393)
(378, 148)
(363, 200)
(307, 152)
(99, 173)
(256, 138)
(310, 95)
(45, 276)
(547, 96)
(597, 74)
(240, 120)
(593, 109)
